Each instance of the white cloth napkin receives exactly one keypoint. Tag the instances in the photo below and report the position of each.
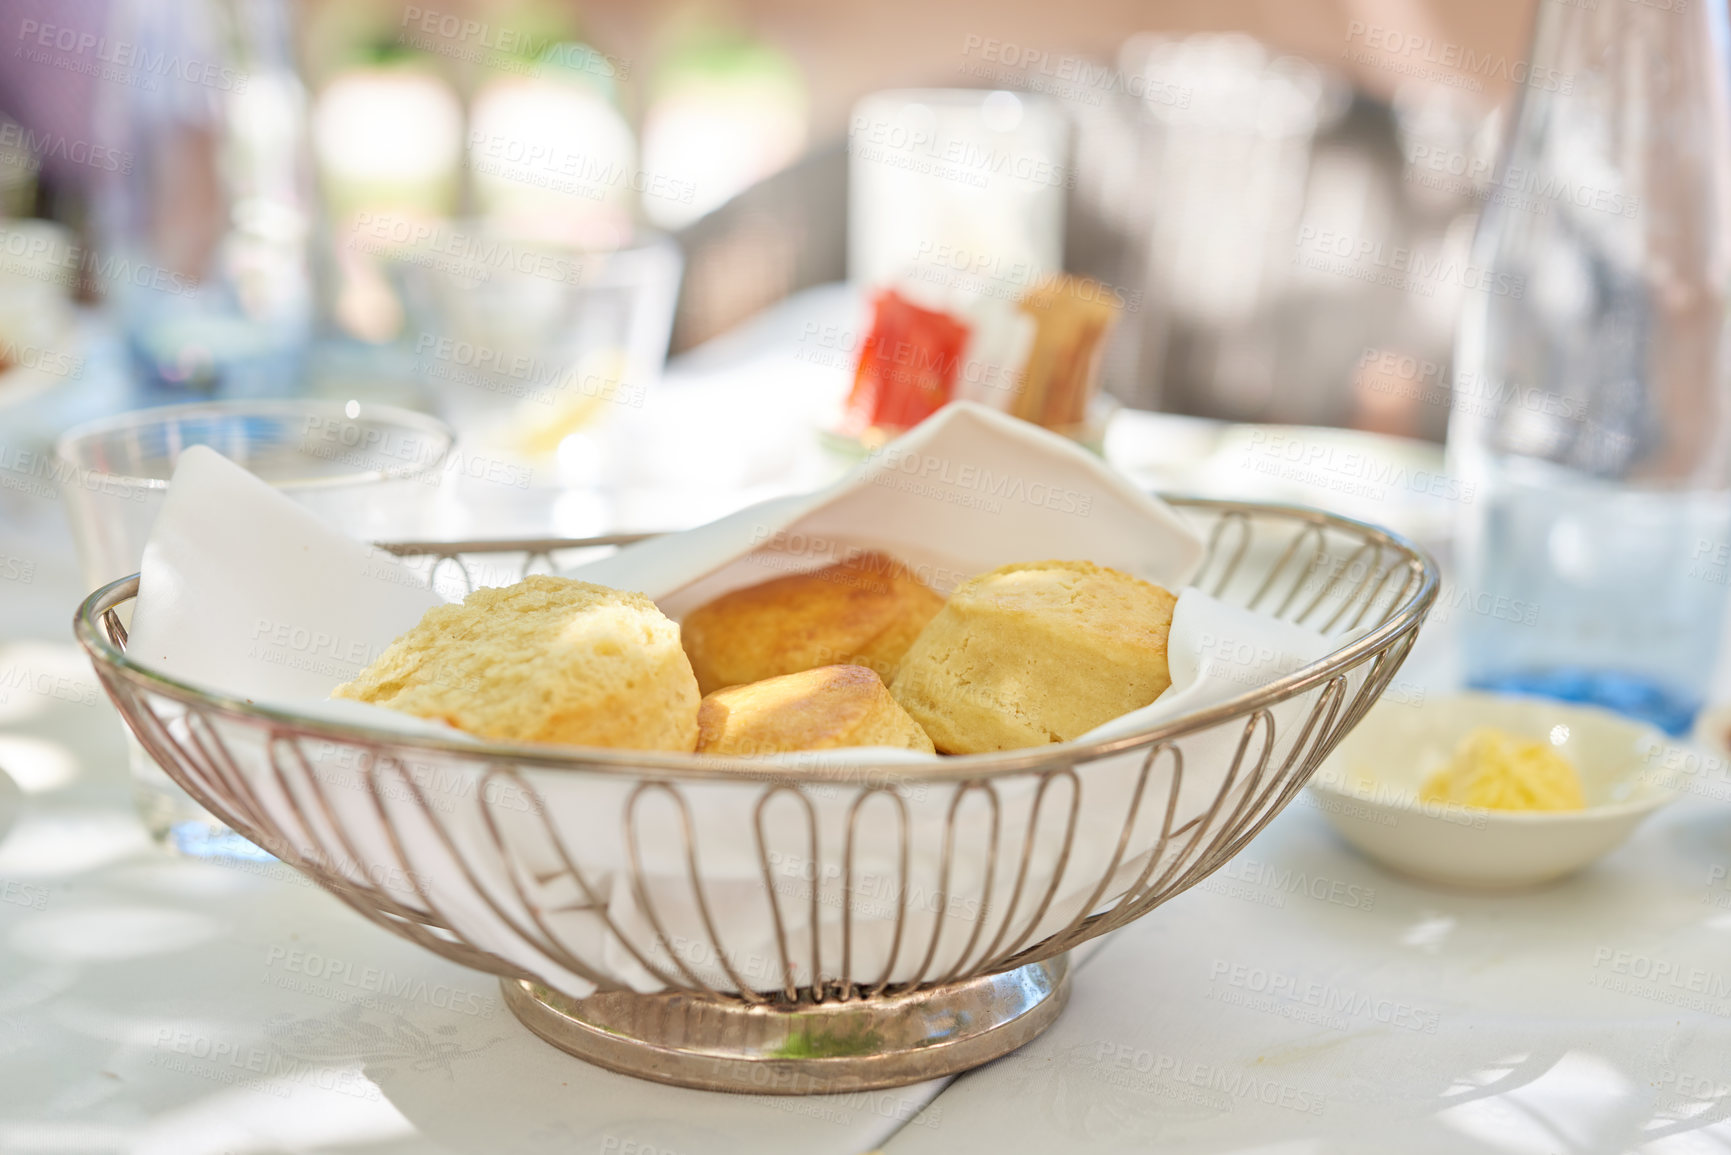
(248, 595)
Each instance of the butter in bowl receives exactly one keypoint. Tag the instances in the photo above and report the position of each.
(1491, 792)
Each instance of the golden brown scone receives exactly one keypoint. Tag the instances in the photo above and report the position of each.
(546, 660)
(817, 709)
(865, 611)
(1036, 653)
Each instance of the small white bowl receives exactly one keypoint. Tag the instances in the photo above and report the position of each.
(1368, 789)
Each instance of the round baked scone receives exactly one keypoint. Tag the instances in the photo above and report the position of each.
(817, 709)
(1035, 653)
(546, 660)
(865, 611)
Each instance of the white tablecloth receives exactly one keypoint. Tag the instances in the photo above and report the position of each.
(1302, 1000)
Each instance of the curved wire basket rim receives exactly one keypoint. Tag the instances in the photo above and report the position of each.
(680, 765)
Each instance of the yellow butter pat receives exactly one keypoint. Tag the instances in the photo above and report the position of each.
(1494, 769)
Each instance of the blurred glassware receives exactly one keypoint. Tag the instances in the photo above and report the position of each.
(551, 157)
(1228, 175)
(958, 189)
(343, 369)
(529, 347)
(389, 143)
(727, 112)
(1216, 182)
(1593, 371)
(370, 470)
(1447, 142)
(38, 273)
(389, 137)
(1234, 130)
(19, 169)
(204, 240)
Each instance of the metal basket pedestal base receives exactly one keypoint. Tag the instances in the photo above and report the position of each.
(809, 1049)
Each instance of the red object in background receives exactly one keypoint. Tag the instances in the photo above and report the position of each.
(907, 365)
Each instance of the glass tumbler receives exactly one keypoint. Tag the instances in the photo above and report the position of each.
(371, 471)
(533, 350)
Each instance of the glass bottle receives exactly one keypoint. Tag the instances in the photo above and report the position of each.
(1590, 424)
(205, 232)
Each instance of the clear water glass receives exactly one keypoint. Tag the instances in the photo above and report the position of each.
(534, 351)
(371, 471)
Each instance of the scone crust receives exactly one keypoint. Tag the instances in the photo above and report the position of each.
(821, 709)
(546, 660)
(1034, 653)
(865, 611)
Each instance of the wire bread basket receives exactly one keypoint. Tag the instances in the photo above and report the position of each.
(783, 928)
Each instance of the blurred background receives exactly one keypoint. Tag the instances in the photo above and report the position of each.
(511, 213)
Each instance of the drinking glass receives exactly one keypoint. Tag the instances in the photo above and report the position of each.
(369, 470)
(532, 349)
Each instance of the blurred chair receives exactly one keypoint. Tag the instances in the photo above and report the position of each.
(784, 234)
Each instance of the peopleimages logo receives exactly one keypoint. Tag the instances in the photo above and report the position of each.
(1396, 266)
(1534, 190)
(1414, 49)
(1285, 880)
(44, 684)
(40, 146)
(837, 348)
(190, 1052)
(1718, 891)
(922, 150)
(51, 361)
(1453, 597)
(1662, 980)
(119, 60)
(343, 981)
(969, 484)
(1347, 471)
(477, 41)
(471, 254)
(1334, 1004)
(41, 473)
(1076, 79)
(1414, 378)
(1024, 275)
(46, 259)
(501, 370)
(1077, 72)
(1161, 1072)
(548, 166)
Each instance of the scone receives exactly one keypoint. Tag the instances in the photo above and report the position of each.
(546, 660)
(1036, 653)
(817, 709)
(865, 611)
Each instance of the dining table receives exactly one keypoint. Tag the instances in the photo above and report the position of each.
(1300, 1000)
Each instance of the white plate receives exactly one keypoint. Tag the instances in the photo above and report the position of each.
(1368, 789)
